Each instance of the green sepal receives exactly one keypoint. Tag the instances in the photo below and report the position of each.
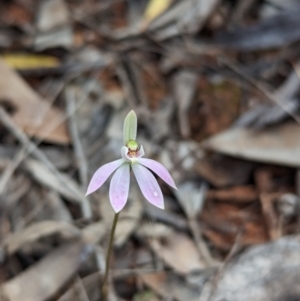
(130, 127)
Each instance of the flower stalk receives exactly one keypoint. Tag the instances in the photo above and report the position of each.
(104, 290)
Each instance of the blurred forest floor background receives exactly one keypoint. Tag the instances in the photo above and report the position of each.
(216, 88)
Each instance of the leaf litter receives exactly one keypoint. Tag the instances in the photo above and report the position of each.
(215, 85)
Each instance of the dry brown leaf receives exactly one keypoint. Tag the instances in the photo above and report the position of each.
(179, 252)
(65, 185)
(45, 278)
(223, 223)
(154, 230)
(279, 144)
(35, 116)
(55, 208)
(224, 171)
(191, 198)
(52, 15)
(154, 9)
(171, 286)
(30, 61)
(37, 231)
(89, 287)
(238, 194)
(93, 233)
(185, 84)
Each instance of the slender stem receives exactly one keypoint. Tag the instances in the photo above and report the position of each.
(108, 256)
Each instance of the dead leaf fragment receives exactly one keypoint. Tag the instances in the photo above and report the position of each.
(238, 194)
(224, 171)
(37, 231)
(272, 32)
(93, 233)
(171, 286)
(35, 116)
(87, 288)
(279, 144)
(179, 252)
(64, 185)
(185, 84)
(155, 8)
(157, 230)
(30, 61)
(52, 14)
(191, 198)
(45, 278)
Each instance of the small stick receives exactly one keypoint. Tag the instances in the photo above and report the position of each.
(271, 96)
(127, 85)
(234, 249)
(202, 248)
(11, 167)
(78, 149)
(140, 87)
(272, 222)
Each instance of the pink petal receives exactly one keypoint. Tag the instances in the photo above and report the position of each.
(159, 169)
(148, 185)
(101, 175)
(119, 187)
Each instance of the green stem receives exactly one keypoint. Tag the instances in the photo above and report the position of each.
(108, 256)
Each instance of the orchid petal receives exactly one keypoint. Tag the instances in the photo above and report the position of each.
(102, 174)
(119, 187)
(124, 154)
(141, 152)
(159, 169)
(130, 127)
(148, 185)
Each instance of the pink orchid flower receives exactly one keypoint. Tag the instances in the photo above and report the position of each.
(131, 157)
